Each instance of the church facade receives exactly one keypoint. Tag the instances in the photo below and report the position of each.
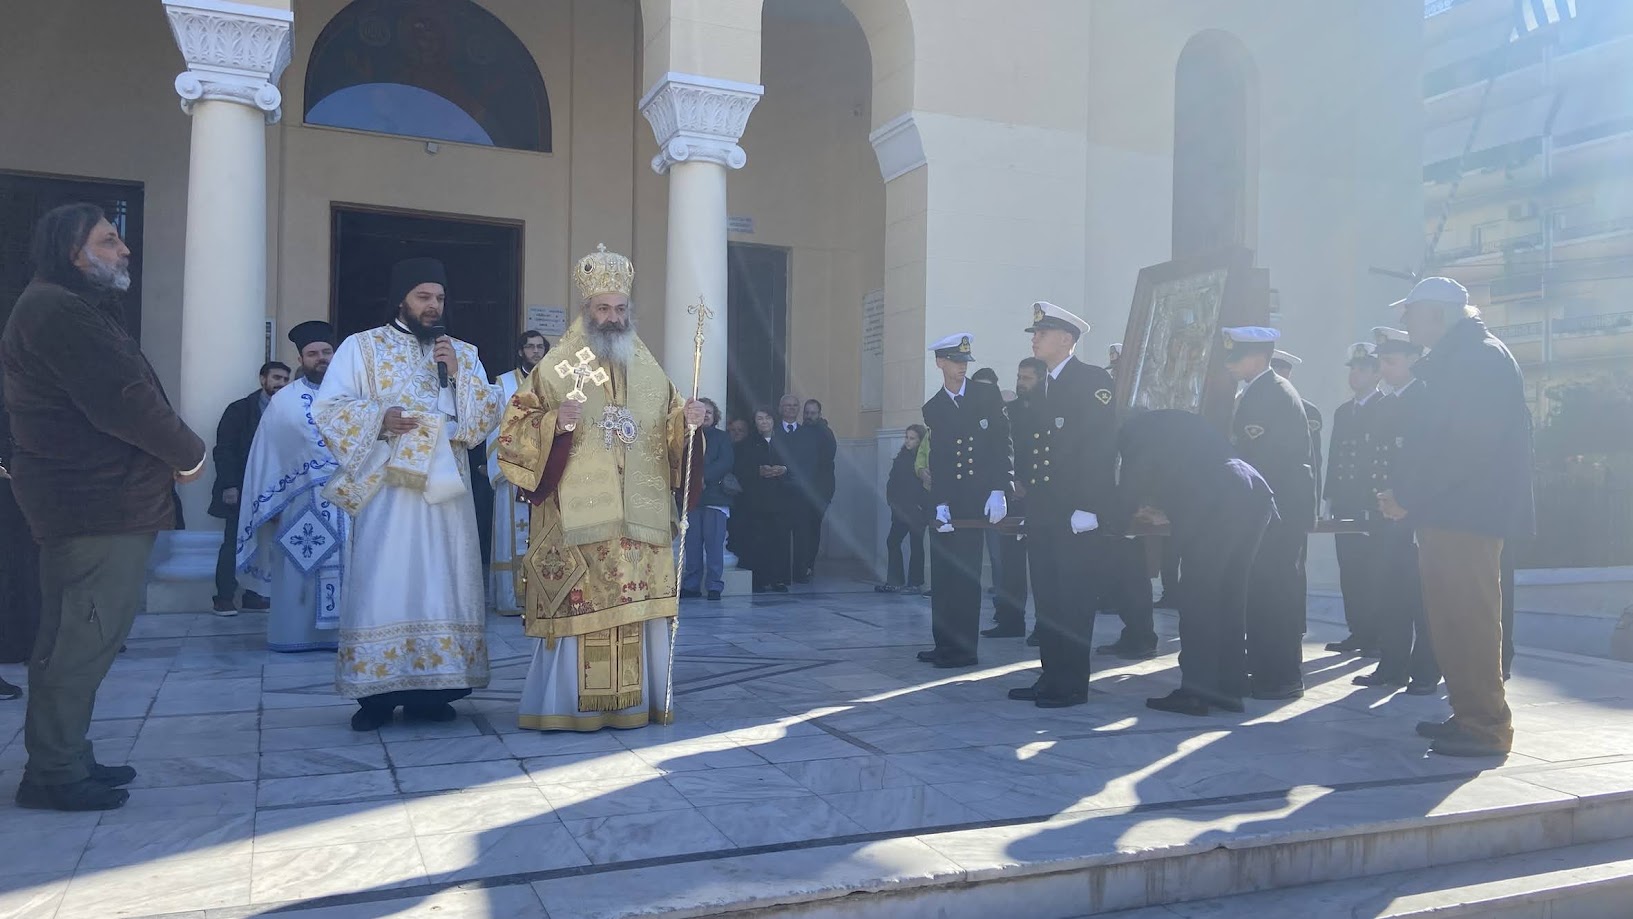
(840, 181)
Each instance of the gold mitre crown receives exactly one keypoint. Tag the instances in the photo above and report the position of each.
(603, 272)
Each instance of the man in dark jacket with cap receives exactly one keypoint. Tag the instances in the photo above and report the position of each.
(98, 453)
(233, 436)
(1464, 486)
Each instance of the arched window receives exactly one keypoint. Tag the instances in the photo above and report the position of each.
(437, 69)
(1216, 154)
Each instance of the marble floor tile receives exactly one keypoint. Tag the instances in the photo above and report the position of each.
(326, 789)
(310, 715)
(159, 839)
(786, 820)
(589, 767)
(187, 695)
(805, 747)
(736, 786)
(628, 837)
(330, 825)
(691, 756)
(316, 737)
(33, 896)
(301, 874)
(857, 773)
(166, 886)
(500, 851)
(401, 729)
(510, 902)
(611, 797)
(185, 801)
(406, 753)
(461, 776)
(161, 745)
(196, 770)
(54, 842)
(289, 763)
(476, 811)
(910, 808)
(561, 743)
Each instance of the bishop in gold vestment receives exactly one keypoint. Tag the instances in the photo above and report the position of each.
(596, 442)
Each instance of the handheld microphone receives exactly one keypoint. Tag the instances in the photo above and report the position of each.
(440, 331)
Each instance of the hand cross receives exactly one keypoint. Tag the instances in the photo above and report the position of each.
(581, 372)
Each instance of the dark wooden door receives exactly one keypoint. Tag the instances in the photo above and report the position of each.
(24, 199)
(756, 329)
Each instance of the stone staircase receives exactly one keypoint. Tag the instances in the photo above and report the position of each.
(1552, 841)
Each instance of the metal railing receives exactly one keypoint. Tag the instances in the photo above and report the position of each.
(1598, 228)
(1581, 523)
(1603, 322)
(1519, 331)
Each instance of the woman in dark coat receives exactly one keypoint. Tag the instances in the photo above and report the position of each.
(768, 506)
(907, 498)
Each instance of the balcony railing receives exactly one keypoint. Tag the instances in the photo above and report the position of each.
(1603, 322)
(1518, 243)
(1518, 332)
(1599, 228)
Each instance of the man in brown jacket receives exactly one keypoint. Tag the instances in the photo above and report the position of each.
(98, 452)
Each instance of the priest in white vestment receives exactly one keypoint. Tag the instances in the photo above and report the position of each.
(509, 544)
(596, 444)
(412, 629)
(290, 538)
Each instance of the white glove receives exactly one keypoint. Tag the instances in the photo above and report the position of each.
(944, 516)
(997, 508)
(1083, 522)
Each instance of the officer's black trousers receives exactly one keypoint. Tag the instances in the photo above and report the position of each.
(1219, 558)
(1010, 600)
(1062, 580)
(1402, 631)
(1275, 610)
(1357, 582)
(955, 598)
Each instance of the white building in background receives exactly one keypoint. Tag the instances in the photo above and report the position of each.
(844, 180)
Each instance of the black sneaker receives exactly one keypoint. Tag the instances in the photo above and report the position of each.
(84, 795)
(714, 595)
(113, 776)
(371, 719)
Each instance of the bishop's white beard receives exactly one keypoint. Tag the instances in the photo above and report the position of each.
(612, 346)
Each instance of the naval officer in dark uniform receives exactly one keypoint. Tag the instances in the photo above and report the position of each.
(1350, 497)
(1009, 618)
(1272, 433)
(970, 477)
(1283, 364)
(1177, 468)
(1072, 460)
(1406, 658)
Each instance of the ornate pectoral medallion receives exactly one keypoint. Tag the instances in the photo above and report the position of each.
(617, 422)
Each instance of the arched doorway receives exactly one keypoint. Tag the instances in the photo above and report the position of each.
(1216, 150)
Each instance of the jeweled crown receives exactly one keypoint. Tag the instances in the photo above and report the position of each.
(603, 272)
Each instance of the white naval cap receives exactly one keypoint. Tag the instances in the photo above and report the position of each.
(1444, 291)
(1359, 352)
(1383, 333)
(1046, 315)
(1290, 360)
(1250, 339)
(1393, 341)
(1117, 348)
(955, 347)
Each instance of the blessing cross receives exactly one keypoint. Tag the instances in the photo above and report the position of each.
(581, 372)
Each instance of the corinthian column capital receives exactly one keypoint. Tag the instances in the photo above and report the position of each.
(699, 119)
(234, 52)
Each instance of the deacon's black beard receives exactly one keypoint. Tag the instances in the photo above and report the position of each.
(315, 377)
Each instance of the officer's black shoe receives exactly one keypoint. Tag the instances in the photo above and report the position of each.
(1375, 679)
(1065, 701)
(84, 795)
(1179, 702)
(953, 663)
(1128, 652)
(929, 657)
(1460, 744)
(1032, 639)
(113, 776)
(1024, 693)
(1227, 703)
(1434, 730)
(1280, 693)
(1002, 631)
(1421, 688)
(1348, 644)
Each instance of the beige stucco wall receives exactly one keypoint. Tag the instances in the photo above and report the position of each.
(86, 91)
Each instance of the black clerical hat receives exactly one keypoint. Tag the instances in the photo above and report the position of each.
(308, 332)
(411, 273)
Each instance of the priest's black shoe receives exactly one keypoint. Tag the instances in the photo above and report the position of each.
(113, 776)
(1375, 679)
(83, 795)
(371, 719)
(1063, 701)
(1002, 631)
(440, 711)
(930, 657)
(1179, 702)
(1025, 693)
(953, 663)
(1280, 693)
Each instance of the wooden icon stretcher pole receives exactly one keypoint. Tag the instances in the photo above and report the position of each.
(703, 313)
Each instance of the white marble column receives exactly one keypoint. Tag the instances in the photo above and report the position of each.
(697, 122)
(235, 54)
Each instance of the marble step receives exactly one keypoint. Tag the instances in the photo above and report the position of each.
(1593, 881)
(1101, 862)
